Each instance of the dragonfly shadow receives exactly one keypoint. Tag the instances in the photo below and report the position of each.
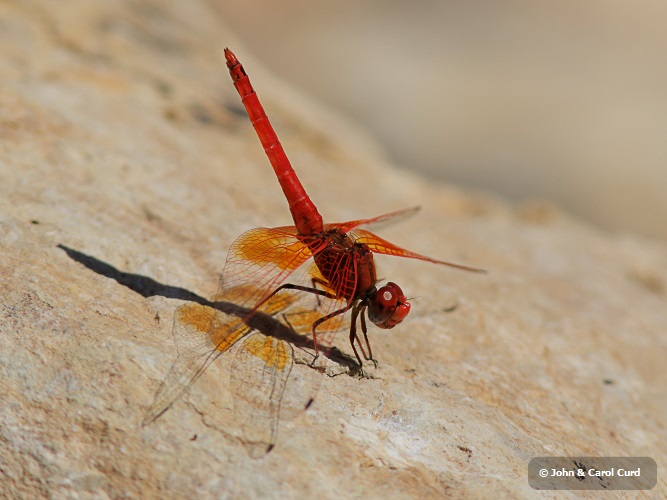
(148, 287)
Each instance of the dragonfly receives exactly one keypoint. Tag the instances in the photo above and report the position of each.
(316, 278)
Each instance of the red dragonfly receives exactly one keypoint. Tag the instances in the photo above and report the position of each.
(331, 262)
(342, 269)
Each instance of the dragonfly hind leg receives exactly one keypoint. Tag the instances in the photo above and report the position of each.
(318, 293)
(290, 286)
(326, 318)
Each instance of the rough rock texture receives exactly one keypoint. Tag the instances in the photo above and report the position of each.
(126, 166)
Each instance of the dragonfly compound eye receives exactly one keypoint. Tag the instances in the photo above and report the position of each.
(388, 307)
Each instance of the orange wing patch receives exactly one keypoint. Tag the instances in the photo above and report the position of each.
(271, 245)
(272, 351)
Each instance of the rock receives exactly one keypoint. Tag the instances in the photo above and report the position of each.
(128, 169)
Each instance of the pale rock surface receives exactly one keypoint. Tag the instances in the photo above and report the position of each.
(122, 138)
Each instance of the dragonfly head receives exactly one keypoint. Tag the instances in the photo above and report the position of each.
(388, 306)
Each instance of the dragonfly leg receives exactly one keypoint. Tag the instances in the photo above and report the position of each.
(368, 344)
(288, 318)
(317, 296)
(326, 318)
(359, 311)
(353, 335)
(290, 286)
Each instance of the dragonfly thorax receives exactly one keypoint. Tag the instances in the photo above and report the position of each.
(387, 307)
(347, 267)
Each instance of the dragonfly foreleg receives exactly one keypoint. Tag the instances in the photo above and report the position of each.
(359, 311)
(368, 344)
(353, 333)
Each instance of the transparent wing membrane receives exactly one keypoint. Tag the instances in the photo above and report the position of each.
(382, 246)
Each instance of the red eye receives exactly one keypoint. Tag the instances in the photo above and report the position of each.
(388, 307)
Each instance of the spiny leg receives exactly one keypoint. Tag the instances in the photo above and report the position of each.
(353, 335)
(363, 325)
(363, 329)
(368, 344)
(359, 310)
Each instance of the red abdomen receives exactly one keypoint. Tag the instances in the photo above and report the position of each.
(306, 218)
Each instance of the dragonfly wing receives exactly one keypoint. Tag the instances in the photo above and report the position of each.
(260, 260)
(264, 258)
(201, 334)
(382, 246)
(379, 221)
(260, 372)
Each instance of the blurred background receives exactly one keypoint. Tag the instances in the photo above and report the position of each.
(564, 101)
